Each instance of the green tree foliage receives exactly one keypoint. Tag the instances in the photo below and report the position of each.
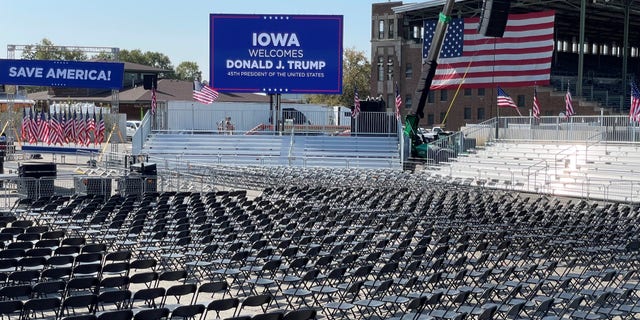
(148, 58)
(356, 73)
(188, 70)
(46, 50)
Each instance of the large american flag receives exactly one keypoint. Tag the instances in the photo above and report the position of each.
(203, 93)
(634, 112)
(356, 104)
(505, 101)
(536, 104)
(522, 57)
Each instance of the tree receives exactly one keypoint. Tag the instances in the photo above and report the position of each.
(188, 70)
(46, 50)
(148, 58)
(356, 73)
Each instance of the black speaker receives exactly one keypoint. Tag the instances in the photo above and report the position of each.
(37, 170)
(372, 106)
(147, 169)
(150, 81)
(493, 20)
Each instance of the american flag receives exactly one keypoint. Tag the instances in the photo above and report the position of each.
(536, 104)
(100, 129)
(521, 58)
(25, 125)
(568, 104)
(154, 101)
(505, 101)
(33, 128)
(203, 93)
(43, 128)
(634, 112)
(80, 127)
(356, 104)
(55, 128)
(70, 128)
(91, 122)
(398, 102)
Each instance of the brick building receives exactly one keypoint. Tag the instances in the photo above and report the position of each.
(397, 57)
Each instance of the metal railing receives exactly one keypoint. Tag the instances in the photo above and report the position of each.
(137, 141)
(615, 128)
(260, 121)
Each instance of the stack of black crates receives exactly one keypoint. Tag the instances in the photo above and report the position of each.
(143, 177)
(36, 179)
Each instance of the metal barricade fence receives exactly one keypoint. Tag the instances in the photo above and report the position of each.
(617, 128)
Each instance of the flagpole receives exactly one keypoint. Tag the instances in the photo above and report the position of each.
(493, 82)
(497, 116)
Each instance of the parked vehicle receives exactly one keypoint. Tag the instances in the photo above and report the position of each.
(132, 127)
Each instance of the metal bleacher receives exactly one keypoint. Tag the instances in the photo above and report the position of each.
(274, 150)
(601, 166)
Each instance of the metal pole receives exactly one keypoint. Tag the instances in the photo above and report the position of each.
(625, 52)
(497, 117)
(272, 120)
(583, 9)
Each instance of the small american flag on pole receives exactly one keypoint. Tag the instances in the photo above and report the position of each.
(25, 124)
(154, 101)
(536, 104)
(505, 101)
(568, 104)
(100, 129)
(398, 102)
(33, 127)
(356, 104)
(203, 93)
(43, 128)
(634, 112)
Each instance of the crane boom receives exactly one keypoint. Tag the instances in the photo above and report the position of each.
(428, 72)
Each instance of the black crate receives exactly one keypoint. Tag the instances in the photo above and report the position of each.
(37, 170)
(93, 186)
(35, 188)
(135, 184)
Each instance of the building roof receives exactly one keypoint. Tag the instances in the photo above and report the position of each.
(604, 18)
(136, 67)
(168, 90)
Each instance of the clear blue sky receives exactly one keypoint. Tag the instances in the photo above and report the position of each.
(179, 29)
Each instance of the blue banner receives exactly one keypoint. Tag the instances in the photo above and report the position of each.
(276, 53)
(59, 73)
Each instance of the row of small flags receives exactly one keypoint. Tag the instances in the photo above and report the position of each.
(62, 128)
(505, 101)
